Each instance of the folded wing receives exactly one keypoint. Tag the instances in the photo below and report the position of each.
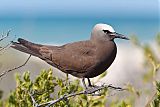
(70, 58)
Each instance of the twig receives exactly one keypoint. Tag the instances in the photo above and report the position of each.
(116, 88)
(3, 37)
(33, 100)
(86, 92)
(150, 99)
(5, 72)
(5, 47)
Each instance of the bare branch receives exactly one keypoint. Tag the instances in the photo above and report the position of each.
(150, 99)
(3, 37)
(90, 91)
(33, 100)
(5, 72)
(5, 47)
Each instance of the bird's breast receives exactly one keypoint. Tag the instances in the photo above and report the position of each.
(105, 57)
(106, 51)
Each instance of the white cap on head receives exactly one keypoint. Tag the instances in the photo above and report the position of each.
(99, 32)
(102, 26)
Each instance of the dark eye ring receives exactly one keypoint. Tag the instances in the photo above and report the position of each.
(106, 31)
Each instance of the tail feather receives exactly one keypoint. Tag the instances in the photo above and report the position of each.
(26, 47)
(29, 45)
(23, 41)
(33, 49)
(22, 48)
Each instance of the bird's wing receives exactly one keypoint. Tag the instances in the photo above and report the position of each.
(71, 58)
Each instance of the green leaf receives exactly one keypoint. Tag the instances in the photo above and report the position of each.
(103, 74)
(26, 76)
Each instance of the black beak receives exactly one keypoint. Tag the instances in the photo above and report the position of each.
(117, 35)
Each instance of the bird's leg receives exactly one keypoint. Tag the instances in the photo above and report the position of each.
(90, 88)
(67, 80)
(89, 83)
(84, 84)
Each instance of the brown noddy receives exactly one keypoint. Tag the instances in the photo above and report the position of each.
(83, 59)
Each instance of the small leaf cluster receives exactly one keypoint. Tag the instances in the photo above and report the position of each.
(156, 101)
(152, 68)
(46, 87)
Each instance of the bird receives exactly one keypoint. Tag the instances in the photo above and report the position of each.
(83, 59)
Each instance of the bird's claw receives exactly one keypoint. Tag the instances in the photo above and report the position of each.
(93, 90)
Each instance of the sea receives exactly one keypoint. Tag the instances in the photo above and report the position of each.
(65, 30)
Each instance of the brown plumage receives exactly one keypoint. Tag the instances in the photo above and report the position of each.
(83, 59)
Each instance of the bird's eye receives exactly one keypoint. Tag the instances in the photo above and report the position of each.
(106, 31)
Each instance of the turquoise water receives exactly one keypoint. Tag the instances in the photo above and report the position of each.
(64, 30)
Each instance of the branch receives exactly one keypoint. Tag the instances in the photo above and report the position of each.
(33, 100)
(3, 37)
(5, 72)
(150, 99)
(5, 47)
(90, 91)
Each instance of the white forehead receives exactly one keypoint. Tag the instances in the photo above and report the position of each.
(103, 27)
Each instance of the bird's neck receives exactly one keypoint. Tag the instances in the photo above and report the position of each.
(101, 40)
(103, 47)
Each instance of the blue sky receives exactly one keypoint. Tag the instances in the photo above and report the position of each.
(82, 8)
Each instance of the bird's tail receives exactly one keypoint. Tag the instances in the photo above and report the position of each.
(26, 47)
(30, 48)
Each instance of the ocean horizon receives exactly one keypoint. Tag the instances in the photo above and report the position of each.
(65, 30)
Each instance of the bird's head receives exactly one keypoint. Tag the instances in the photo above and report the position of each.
(104, 31)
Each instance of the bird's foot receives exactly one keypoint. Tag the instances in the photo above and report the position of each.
(94, 86)
(93, 90)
